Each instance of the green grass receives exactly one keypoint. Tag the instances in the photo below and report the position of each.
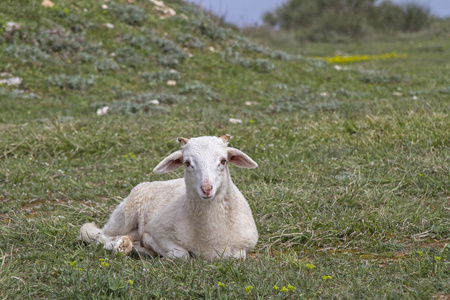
(354, 169)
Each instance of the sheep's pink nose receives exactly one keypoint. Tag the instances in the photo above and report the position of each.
(206, 189)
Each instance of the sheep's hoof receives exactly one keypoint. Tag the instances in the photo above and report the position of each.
(123, 244)
(140, 249)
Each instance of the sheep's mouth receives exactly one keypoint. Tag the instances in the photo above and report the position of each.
(207, 197)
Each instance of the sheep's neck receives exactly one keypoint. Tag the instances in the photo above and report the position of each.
(213, 211)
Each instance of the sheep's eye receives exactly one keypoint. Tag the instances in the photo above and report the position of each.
(187, 163)
(223, 161)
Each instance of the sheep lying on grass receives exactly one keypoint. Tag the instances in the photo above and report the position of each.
(201, 215)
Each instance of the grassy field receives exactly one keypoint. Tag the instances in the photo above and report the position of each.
(351, 197)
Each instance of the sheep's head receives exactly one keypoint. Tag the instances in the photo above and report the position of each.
(206, 161)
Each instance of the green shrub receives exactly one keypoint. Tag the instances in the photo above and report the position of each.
(19, 94)
(131, 108)
(286, 103)
(59, 39)
(129, 14)
(149, 97)
(138, 42)
(330, 20)
(374, 77)
(199, 89)
(258, 65)
(170, 61)
(129, 57)
(415, 16)
(386, 17)
(130, 103)
(171, 55)
(75, 22)
(162, 75)
(106, 65)
(168, 47)
(212, 31)
(74, 82)
(26, 53)
(188, 40)
(409, 16)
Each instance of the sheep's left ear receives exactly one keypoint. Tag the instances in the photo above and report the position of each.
(240, 159)
(169, 163)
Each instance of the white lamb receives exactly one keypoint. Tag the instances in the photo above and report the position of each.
(203, 215)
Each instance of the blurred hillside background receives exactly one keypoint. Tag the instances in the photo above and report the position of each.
(330, 20)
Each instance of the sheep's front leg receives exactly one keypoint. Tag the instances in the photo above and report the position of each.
(164, 247)
(240, 254)
(120, 244)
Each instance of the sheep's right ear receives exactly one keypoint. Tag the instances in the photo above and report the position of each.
(169, 163)
(240, 159)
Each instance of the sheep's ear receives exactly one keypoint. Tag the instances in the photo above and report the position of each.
(169, 163)
(182, 140)
(225, 138)
(240, 159)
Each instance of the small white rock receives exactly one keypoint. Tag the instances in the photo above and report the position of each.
(171, 11)
(10, 26)
(235, 121)
(102, 111)
(154, 101)
(109, 25)
(47, 3)
(171, 82)
(157, 3)
(12, 81)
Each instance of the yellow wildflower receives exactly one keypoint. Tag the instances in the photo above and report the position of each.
(326, 277)
(105, 264)
(355, 58)
(73, 264)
